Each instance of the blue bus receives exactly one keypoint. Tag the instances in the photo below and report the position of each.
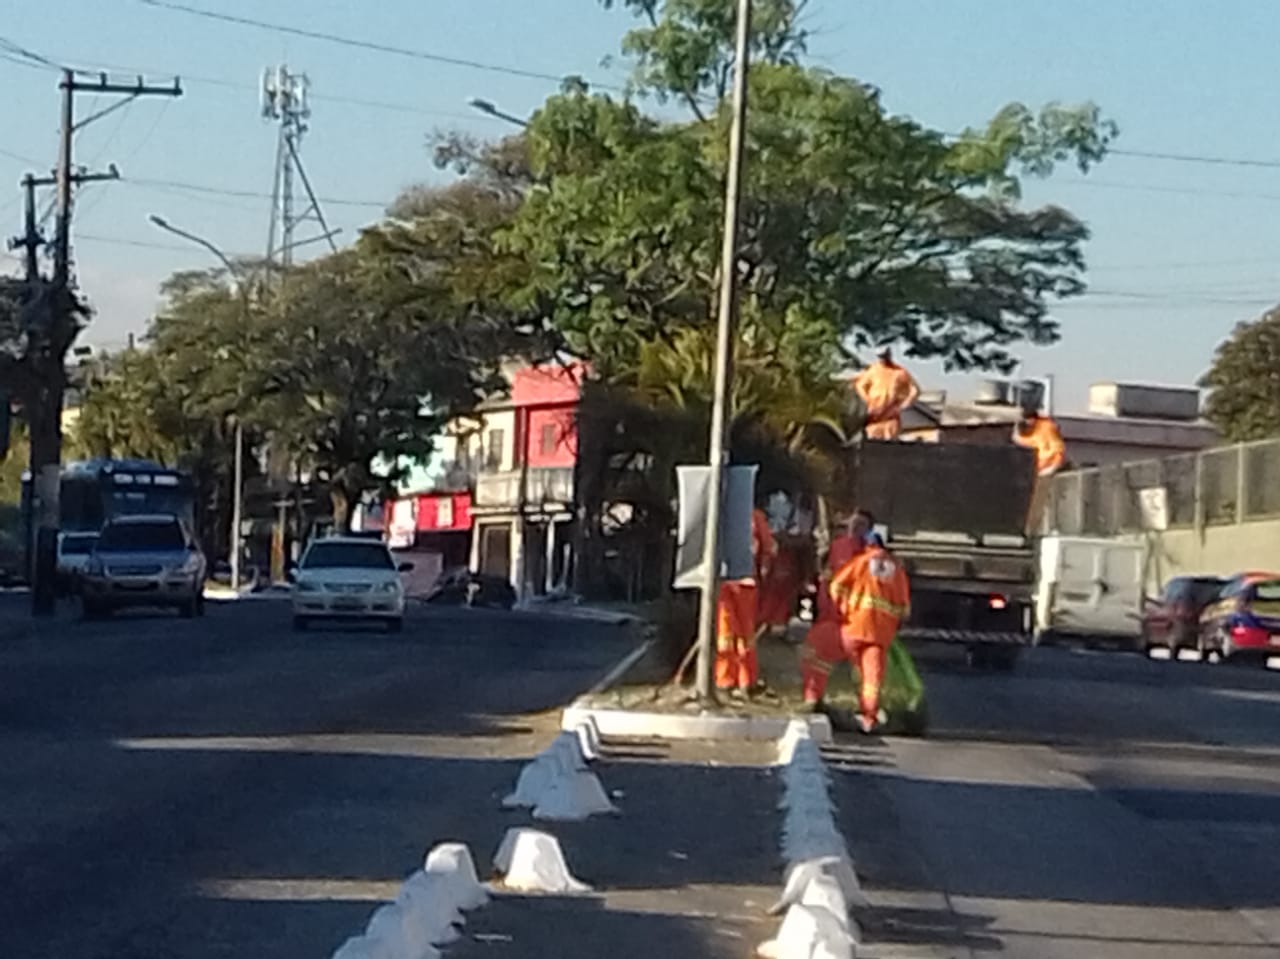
(94, 491)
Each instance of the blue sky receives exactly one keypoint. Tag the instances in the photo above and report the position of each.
(1181, 250)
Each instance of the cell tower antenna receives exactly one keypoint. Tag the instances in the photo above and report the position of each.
(285, 101)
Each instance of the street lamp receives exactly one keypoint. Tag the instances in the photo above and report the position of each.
(237, 490)
(488, 107)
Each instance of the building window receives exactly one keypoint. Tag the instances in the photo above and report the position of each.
(493, 452)
(550, 439)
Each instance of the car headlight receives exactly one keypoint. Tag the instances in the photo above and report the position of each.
(389, 588)
(304, 587)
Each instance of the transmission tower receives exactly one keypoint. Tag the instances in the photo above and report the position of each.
(285, 101)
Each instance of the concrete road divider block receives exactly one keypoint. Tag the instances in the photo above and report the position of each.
(570, 751)
(824, 891)
(430, 901)
(403, 932)
(838, 868)
(452, 864)
(572, 797)
(362, 947)
(809, 932)
(535, 777)
(532, 861)
(589, 739)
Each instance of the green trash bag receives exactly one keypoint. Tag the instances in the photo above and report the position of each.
(902, 695)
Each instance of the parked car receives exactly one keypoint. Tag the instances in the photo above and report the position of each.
(1244, 620)
(144, 561)
(461, 587)
(74, 550)
(348, 577)
(1173, 619)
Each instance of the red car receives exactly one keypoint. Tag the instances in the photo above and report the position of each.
(1244, 621)
(1173, 620)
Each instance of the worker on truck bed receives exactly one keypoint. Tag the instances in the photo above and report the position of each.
(886, 389)
(870, 596)
(1040, 434)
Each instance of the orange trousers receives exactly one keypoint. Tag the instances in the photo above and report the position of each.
(886, 429)
(737, 665)
(825, 647)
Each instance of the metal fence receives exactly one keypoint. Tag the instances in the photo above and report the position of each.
(1216, 487)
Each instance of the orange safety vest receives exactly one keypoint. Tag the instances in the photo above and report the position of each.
(1044, 437)
(873, 596)
(883, 388)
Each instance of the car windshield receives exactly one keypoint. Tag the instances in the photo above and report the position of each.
(141, 537)
(1268, 591)
(347, 556)
(1193, 591)
(81, 545)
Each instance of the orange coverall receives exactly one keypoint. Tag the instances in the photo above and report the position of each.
(872, 596)
(737, 665)
(1041, 434)
(886, 389)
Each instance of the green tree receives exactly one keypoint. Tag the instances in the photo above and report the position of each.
(360, 359)
(1244, 381)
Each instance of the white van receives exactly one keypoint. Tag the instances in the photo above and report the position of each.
(1090, 590)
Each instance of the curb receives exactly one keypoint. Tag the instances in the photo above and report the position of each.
(625, 724)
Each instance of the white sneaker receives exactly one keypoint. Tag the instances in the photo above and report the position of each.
(866, 725)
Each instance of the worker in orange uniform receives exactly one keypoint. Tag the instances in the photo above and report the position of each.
(737, 663)
(823, 646)
(871, 596)
(1041, 435)
(886, 389)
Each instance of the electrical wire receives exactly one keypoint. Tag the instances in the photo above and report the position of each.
(358, 44)
(252, 194)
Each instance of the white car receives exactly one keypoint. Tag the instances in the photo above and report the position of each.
(346, 577)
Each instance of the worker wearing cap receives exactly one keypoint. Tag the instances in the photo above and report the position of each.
(886, 389)
(1040, 434)
(870, 596)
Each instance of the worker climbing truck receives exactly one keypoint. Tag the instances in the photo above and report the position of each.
(956, 516)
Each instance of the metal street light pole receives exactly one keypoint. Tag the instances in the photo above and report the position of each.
(237, 491)
(488, 107)
(726, 321)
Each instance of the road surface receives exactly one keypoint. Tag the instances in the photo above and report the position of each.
(226, 788)
(1091, 805)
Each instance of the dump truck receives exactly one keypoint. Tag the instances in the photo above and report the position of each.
(956, 516)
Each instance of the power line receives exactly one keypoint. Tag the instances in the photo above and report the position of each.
(1195, 158)
(251, 194)
(369, 45)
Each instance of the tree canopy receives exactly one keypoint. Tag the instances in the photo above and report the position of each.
(1244, 381)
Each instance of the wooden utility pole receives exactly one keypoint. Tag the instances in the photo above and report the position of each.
(58, 324)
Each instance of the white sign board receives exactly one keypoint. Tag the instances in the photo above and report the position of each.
(1153, 505)
(736, 561)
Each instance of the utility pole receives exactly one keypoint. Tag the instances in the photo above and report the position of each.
(726, 322)
(59, 326)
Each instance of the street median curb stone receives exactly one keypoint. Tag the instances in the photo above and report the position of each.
(639, 724)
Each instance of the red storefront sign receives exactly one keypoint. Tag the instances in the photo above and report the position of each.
(444, 511)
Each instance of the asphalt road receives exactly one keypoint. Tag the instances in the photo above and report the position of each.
(1090, 805)
(226, 787)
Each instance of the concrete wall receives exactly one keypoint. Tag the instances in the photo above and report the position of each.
(1213, 551)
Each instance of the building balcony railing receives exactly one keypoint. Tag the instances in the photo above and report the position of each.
(544, 486)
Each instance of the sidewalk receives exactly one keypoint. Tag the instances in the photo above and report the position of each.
(688, 869)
